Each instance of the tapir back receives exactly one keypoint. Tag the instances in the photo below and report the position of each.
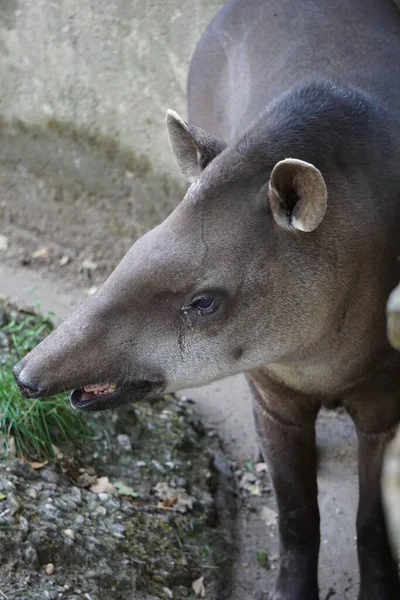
(255, 50)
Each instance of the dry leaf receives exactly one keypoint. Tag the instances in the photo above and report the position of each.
(38, 465)
(103, 485)
(269, 516)
(198, 587)
(176, 498)
(125, 490)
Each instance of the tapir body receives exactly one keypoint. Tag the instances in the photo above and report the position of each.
(278, 262)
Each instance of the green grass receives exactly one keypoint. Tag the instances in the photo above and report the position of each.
(35, 425)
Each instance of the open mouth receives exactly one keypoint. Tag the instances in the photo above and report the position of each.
(109, 395)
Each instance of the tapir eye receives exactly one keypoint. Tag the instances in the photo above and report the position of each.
(205, 304)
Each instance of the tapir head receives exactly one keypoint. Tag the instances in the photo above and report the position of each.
(220, 287)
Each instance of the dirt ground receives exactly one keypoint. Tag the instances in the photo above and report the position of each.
(69, 209)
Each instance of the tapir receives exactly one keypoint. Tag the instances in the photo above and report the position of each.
(277, 263)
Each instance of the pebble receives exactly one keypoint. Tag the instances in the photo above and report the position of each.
(32, 493)
(50, 476)
(13, 501)
(30, 556)
(103, 496)
(69, 533)
(3, 243)
(79, 520)
(125, 442)
(100, 511)
(49, 569)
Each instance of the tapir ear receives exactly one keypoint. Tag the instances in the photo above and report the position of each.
(297, 195)
(193, 148)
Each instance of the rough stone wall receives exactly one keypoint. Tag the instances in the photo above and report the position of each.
(111, 68)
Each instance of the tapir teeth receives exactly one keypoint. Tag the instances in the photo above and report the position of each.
(100, 388)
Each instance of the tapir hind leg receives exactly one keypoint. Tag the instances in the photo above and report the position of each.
(286, 428)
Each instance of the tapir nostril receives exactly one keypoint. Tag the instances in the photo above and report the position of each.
(27, 388)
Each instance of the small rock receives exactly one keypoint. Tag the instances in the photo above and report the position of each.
(125, 442)
(13, 501)
(158, 466)
(88, 265)
(269, 516)
(30, 556)
(168, 592)
(3, 243)
(92, 290)
(104, 497)
(76, 495)
(35, 539)
(79, 520)
(85, 480)
(100, 511)
(198, 588)
(32, 493)
(64, 260)
(50, 476)
(42, 253)
(49, 569)
(69, 533)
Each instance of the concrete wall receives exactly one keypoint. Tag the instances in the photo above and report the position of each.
(109, 66)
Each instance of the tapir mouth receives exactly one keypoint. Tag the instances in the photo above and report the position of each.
(109, 396)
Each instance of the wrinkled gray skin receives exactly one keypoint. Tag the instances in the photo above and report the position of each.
(291, 225)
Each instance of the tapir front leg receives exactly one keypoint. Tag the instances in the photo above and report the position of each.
(285, 423)
(375, 418)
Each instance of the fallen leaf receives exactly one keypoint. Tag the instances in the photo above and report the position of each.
(198, 587)
(125, 490)
(169, 502)
(3, 243)
(176, 498)
(263, 560)
(38, 465)
(2, 496)
(254, 489)
(103, 486)
(269, 516)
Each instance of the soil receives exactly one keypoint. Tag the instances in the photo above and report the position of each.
(139, 509)
(68, 195)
